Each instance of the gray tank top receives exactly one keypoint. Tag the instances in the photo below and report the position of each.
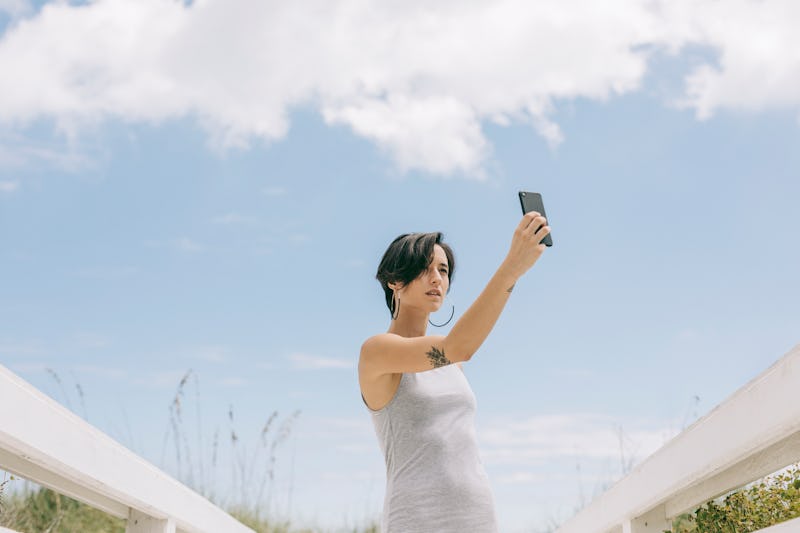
(435, 480)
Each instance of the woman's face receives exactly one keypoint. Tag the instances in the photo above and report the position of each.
(427, 292)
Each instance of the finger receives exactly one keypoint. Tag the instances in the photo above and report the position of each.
(536, 223)
(536, 235)
(526, 219)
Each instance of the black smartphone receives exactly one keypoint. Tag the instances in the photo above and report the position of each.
(532, 201)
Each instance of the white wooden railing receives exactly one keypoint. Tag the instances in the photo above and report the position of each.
(753, 433)
(44, 442)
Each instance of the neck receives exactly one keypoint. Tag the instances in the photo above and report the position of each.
(410, 323)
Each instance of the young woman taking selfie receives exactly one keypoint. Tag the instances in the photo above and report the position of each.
(412, 384)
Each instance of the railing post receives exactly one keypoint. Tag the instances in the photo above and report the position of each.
(139, 522)
(654, 521)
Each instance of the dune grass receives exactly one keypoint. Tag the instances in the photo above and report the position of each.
(43, 510)
(39, 509)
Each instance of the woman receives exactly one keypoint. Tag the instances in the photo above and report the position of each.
(412, 383)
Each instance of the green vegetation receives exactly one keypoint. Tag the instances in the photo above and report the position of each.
(2, 496)
(43, 510)
(767, 502)
(770, 501)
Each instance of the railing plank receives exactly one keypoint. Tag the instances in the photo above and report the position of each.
(755, 467)
(653, 522)
(790, 526)
(141, 523)
(760, 422)
(16, 464)
(43, 441)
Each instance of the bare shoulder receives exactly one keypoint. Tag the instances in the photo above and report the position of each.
(376, 342)
(373, 350)
(376, 345)
(378, 339)
(389, 353)
(389, 341)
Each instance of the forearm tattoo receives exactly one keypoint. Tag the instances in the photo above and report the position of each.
(511, 288)
(437, 357)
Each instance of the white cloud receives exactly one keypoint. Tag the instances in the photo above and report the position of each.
(108, 272)
(301, 361)
(185, 244)
(234, 219)
(12, 349)
(544, 438)
(274, 191)
(759, 64)
(521, 477)
(437, 133)
(182, 244)
(347, 477)
(298, 238)
(19, 151)
(85, 340)
(417, 78)
(8, 186)
(688, 334)
(101, 371)
(346, 425)
(211, 354)
(232, 382)
(350, 433)
(356, 448)
(29, 368)
(162, 380)
(15, 8)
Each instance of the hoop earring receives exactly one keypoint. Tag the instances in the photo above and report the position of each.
(452, 312)
(395, 306)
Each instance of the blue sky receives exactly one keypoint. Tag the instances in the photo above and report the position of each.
(141, 236)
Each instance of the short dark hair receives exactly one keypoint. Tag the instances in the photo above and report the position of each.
(407, 257)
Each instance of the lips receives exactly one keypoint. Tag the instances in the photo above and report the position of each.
(434, 293)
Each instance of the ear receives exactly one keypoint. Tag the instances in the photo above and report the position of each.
(394, 286)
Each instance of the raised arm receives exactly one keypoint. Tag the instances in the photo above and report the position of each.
(388, 353)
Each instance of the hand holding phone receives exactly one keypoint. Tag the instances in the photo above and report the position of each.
(532, 201)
